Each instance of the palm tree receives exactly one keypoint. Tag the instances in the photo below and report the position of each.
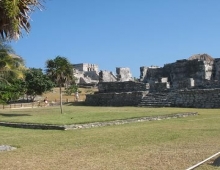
(15, 15)
(60, 70)
(11, 65)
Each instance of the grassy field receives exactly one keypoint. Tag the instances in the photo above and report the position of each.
(156, 145)
(81, 114)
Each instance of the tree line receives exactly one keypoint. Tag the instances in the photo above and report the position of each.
(16, 80)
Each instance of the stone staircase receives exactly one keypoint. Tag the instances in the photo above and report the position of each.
(155, 100)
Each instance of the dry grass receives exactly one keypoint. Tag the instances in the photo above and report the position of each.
(158, 145)
(54, 95)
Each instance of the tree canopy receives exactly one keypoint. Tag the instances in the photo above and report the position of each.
(15, 16)
(11, 65)
(12, 91)
(60, 70)
(37, 83)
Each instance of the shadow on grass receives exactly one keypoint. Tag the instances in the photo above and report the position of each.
(13, 115)
(75, 103)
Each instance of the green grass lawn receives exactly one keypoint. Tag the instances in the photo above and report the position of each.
(82, 114)
(163, 145)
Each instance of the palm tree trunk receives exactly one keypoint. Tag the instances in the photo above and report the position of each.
(61, 98)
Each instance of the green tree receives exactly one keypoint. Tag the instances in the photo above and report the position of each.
(60, 70)
(11, 65)
(37, 83)
(12, 91)
(15, 16)
(73, 88)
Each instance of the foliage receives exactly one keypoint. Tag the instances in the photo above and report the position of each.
(11, 65)
(11, 74)
(71, 89)
(15, 16)
(37, 83)
(60, 70)
(12, 91)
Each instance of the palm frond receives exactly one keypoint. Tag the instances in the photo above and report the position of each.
(15, 16)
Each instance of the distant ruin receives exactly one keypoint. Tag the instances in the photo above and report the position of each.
(192, 82)
(86, 73)
(90, 74)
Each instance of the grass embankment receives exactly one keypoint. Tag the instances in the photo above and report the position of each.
(55, 94)
(158, 145)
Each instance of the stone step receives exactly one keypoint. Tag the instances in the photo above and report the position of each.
(155, 100)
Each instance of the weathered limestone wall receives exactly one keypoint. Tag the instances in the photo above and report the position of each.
(217, 69)
(199, 68)
(198, 98)
(115, 99)
(184, 69)
(86, 73)
(128, 86)
(86, 67)
(128, 93)
(107, 76)
(151, 74)
(124, 74)
(159, 86)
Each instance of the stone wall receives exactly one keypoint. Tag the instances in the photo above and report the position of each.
(200, 68)
(107, 76)
(198, 98)
(86, 67)
(123, 74)
(159, 86)
(115, 99)
(127, 86)
(151, 74)
(86, 73)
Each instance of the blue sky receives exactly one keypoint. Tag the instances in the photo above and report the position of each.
(121, 33)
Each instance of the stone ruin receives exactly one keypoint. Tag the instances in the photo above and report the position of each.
(200, 70)
(86, 74)
(122, 74)
(192, 82)
(89, 74)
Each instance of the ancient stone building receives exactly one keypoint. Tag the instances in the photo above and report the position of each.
(86, 67)
(89, 74)
(127, 93)
(122, 74)
(192, 82)
(86, 73)
(107, 76)
(196, 71)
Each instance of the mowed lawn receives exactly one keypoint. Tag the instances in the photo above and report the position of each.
(157, 145)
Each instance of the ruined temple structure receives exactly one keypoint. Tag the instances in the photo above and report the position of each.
(198, 71)
(192, 82)
(89, 74)
(122, 74)
(86, 73)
